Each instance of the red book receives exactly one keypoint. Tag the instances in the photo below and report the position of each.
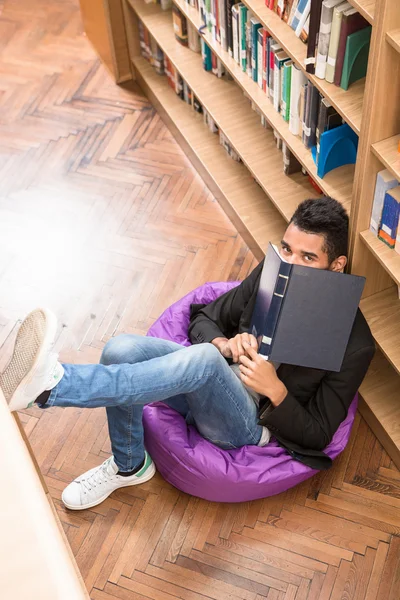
(217, 31)
(266, 35)
(270, 3)
(352, 21)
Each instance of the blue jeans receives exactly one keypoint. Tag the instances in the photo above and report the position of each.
(136, 370)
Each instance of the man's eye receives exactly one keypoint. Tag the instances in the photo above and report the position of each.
(285, 249)
(308, 258)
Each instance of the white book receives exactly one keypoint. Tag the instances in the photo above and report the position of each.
(334, 41)
(298, 79)
(293, 12)
(384, 182)
(303, 18)
(222, 24)
(324, 36)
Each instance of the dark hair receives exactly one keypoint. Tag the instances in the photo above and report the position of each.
(325, 216)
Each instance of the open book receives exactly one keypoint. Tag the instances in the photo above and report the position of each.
(303, 316)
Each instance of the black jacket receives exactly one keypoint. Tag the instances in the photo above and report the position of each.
(317, 401)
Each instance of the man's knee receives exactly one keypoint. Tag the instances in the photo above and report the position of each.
(207, 353)
(115, 350)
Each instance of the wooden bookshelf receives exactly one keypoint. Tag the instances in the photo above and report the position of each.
(243, 200)
(388, 154)
(348, 103)
(338, 183)
(366, 8)
(393, 37)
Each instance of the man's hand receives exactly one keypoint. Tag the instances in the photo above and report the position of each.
(234, 348)
(260, 375)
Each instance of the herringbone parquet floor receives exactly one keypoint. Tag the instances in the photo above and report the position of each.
(103, 219)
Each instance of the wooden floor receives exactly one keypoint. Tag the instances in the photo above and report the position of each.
(103, 219)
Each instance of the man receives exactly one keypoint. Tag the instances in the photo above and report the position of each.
(230, 405)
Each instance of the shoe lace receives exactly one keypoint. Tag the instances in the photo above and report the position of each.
(97, 477)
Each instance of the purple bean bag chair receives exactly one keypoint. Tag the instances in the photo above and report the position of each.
(198, 467)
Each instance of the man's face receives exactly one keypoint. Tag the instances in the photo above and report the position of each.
(307, 249)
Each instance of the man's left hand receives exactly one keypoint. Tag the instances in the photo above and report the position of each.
(260, 375)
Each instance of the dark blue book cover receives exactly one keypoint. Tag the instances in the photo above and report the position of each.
(303, 316)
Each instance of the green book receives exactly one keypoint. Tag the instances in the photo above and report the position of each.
(242, 34)
(287, 84)
(356, 57)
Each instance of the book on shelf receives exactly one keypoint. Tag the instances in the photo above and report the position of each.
(287, 84)
(193, 38)
(390, 217)
(274, 48)
(180, 26)
(206, 55)
(334, 41)
(235, 33)
(242, 36)
(298, 79)
(255, 26)
(305, 30)
(301, 29)
(356, 57)
(290, 163)
(197, 106)
(292, 316)
(260, 54)
(228, 20)
(324, 36)
(397, 249)
(384, 182)
(315, 18)
(328, 118)
(301, 12)
(311, 116)
(280, 58)
(292, 13)
(352, 21)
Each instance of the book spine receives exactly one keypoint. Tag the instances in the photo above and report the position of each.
(275, 307)
(333, 45)
(277, 83)
(266, 38)
(249, 46)
(235, 33)
(390, 220)
(382, 186)
(298, 14)
(315, 18)
(303, 18)
(242, 34)
(260, 62)
(288, 84)
(323, 41)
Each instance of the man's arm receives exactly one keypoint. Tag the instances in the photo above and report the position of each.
(313, 425)
(221, 318)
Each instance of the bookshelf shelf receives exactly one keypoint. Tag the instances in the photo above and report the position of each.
(348, 103)
(337, 183)
(366, 8)
(393, 37)
(387, 152)
(382, 311)
(243, 200)
(379, 404)
(388, 258)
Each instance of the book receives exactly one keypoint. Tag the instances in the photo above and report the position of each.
(255, 26)
(355, 62)
(260, 61)
(352, 21)
(180, 26)
(288, 8)
(324, 36)
(287, 83)
(242, 36)
(290, 163)
(302, 106)
(304, 32)
(292, 12)
(280, 58)
(315, 18)
(334, 41)
(206, 55)
(193, 38)
(298, 15)
(235, 32)
(303, 19)
(303, 316)
(297, 80)
(228, 4)
(390, 217)
(328, 118)
(310, 126)
(384, 182)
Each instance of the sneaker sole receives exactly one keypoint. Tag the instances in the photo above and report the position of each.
(152, 471)
(18, 401)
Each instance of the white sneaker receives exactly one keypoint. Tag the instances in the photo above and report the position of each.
(33, 368)
(94, 486)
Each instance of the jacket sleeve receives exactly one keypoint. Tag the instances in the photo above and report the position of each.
(312, 425)
(221, 318)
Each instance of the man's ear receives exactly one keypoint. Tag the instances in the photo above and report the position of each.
(339, 264)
